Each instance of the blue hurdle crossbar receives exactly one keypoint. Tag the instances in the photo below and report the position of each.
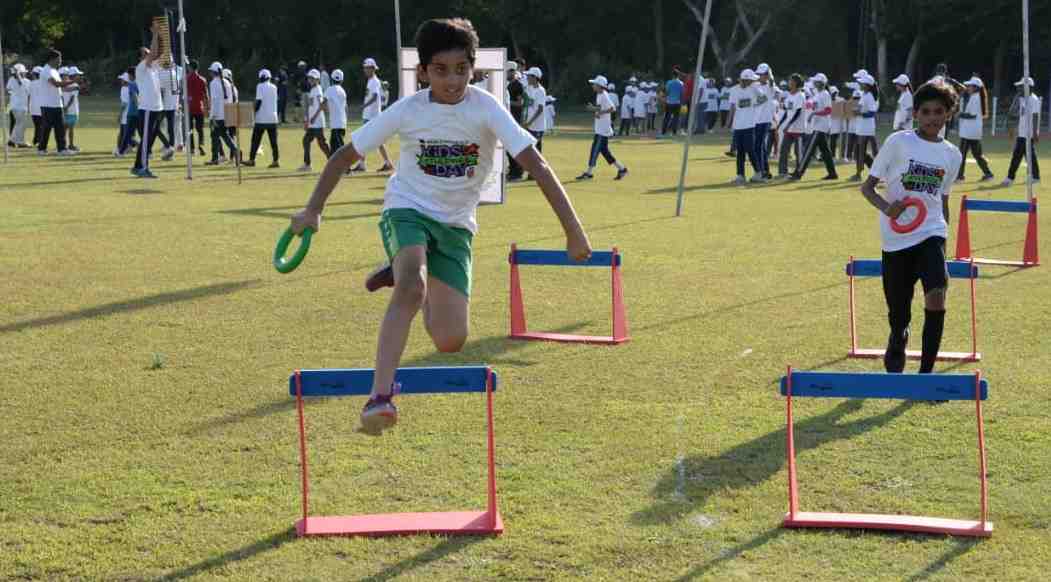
(900, 386)
(874, 268)
(358, 382)
(561, 258)
(998, 205)
(893, 386)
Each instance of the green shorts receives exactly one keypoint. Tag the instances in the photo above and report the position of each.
(448, 247)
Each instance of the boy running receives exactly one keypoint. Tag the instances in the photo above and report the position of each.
(448, 136)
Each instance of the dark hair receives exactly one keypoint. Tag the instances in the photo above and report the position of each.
(131, 72)
(440, 35)
(53, 54)
(195, 65)
(936, 91)
(797, 78)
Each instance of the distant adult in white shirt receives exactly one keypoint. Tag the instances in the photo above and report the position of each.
(151, 104)
(371, 109)
(266, 119)
(50, 93)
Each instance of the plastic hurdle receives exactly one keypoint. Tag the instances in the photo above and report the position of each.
(332, 383)
(611, 259)
(896, 386)
(874, 268)
(1030, 251)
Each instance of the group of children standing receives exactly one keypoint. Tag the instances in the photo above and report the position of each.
(638, 107)
(49, 96)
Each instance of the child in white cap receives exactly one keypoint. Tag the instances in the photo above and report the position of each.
(603, 111)
(743, 98)
(1028, 127)
(641, 107)
(627, 105)
(903, 114)
(371, 109)
(266, 119)
(336, 107)
(314, 124)
(220, 92)
(18, 89)
(972, 112)
(536, 100)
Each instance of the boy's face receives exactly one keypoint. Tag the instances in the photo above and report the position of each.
(447, 74)
(931, 117)
(369, 72)
(745, 82)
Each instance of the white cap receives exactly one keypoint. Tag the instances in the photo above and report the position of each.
(633, 79)
(511, 66)
(264, 73)
(38, 69)
(819, 78)
(748, 75)
(974, 82)
(124, 77)
(535, 72)
(75, 71)
(763, 69)
(63, 71)
(337, 75)
(612, 87)
(857, 94)
(228, 74)
(833, 90)
(314, 74)
(600, 81)
(370, 62)
(866, 80)
(861, 73)
(19, 68)
(216, 67)
(1025, 81)
(301, 64)
(901, 80)
(551, 99)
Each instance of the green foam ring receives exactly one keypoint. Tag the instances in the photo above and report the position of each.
(284, 264)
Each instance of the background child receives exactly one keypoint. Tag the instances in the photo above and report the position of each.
(742, 119)
(336, 107)
(627, 111)
(371, 109)
(603, 109)
(314, 124)
(266, 119)
(903, 114)
(866, 126)
(972, 113)
(1028, 126)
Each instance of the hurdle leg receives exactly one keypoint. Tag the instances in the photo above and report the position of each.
(302, 530)
(850, 307)
(492, 510)
(518, 317)
(790, 443)
(981, 452)
(620, 315)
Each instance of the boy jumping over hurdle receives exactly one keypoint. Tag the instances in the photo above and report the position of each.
(448, 142)
(918, 166)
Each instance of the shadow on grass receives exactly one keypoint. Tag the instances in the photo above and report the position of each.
(960, 547)
(243, 553)
(444, 548)
(728, 308)
(284, 212)
(752, 463)
(732, 554)
(489, 350)
(140, 191)
(43, 184)
(130, 305)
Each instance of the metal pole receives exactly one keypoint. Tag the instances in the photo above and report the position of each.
(996, 103)
(693, 108)
(1028, 111)
(397, 43)
(185, 98)
(3, 98)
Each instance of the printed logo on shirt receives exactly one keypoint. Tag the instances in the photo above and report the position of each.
(448, 159)
(744, 103)
(923, 178)
(761, 99)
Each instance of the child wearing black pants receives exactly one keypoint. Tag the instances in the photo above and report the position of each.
(919, 168)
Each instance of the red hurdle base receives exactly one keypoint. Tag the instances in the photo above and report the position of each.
(447, 523)
(568, 338)
(876, 353)
(910, 523)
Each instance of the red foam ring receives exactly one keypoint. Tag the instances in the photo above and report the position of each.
(921, 215)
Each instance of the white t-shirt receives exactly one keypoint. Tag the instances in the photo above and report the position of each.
(317, 97)
(711, 95)
(19, 91)
(604, 121)
(822, 103)
(765, 101)
(149, 87)
(1025, 114)
(219, 94)
(642, 103)
(537, 101)
(266, 94)
(745, 107)
(971, 128)
(615, 99)
(326, 80)
(447, 152)
(168, 81)
(373, 87)
(914, 167)
(50, 95)
(903, 114)
(867, 125)
(71, 96)
(724, 99)
(337, 106)
(795, 102)
(626, 106)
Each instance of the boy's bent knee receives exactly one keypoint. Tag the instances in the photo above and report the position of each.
(410, 291)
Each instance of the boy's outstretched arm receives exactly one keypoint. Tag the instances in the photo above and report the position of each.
(340, 162)
(577, 244)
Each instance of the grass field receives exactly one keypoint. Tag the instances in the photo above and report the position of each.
(148, 434)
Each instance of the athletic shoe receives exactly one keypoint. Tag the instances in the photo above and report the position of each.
(274, 165)
(1007, 182)
(248, 163)
(167, 154)
(67, 153)
(382, 277)
(74, 149)
(730, 154)
(303, 169)
(201, 152)
(379, 414)
(385, 168)
(146, 174)
(135, 171)
(621, 174)
(41, 152)
(584, 176)
(11, 144)
(758, 179)
(179, 149)
(739, 181)
(794, 177)
(212, 163)
(831, 177)
(960, 180)
(894, 358)
(986, 178)
(117, 153)
(358, 168)
(854, 178)
(23, 146)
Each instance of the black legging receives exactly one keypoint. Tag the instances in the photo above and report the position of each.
(52, 120)
(257, 137)
(600, 145)
(221, 135)
(861, 157)
(974, 145)
(308, 137)
(539, 135)
(819, 141)
(197, 123)
(38, 122)
(833, 141)
(1019, 154)
(167, 119)
(671, 118)
(335, 140)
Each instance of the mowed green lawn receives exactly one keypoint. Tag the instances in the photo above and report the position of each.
(148, 433)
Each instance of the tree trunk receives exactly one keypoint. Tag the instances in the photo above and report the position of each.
(658, 24)
(881, 59)
(914, 54)
(998, 67)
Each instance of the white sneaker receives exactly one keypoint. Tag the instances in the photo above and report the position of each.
(303, 169)
(67, 153)
(41, 152)
(739, 180)
(758, 179)
(116, 152)
(1007, 182)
